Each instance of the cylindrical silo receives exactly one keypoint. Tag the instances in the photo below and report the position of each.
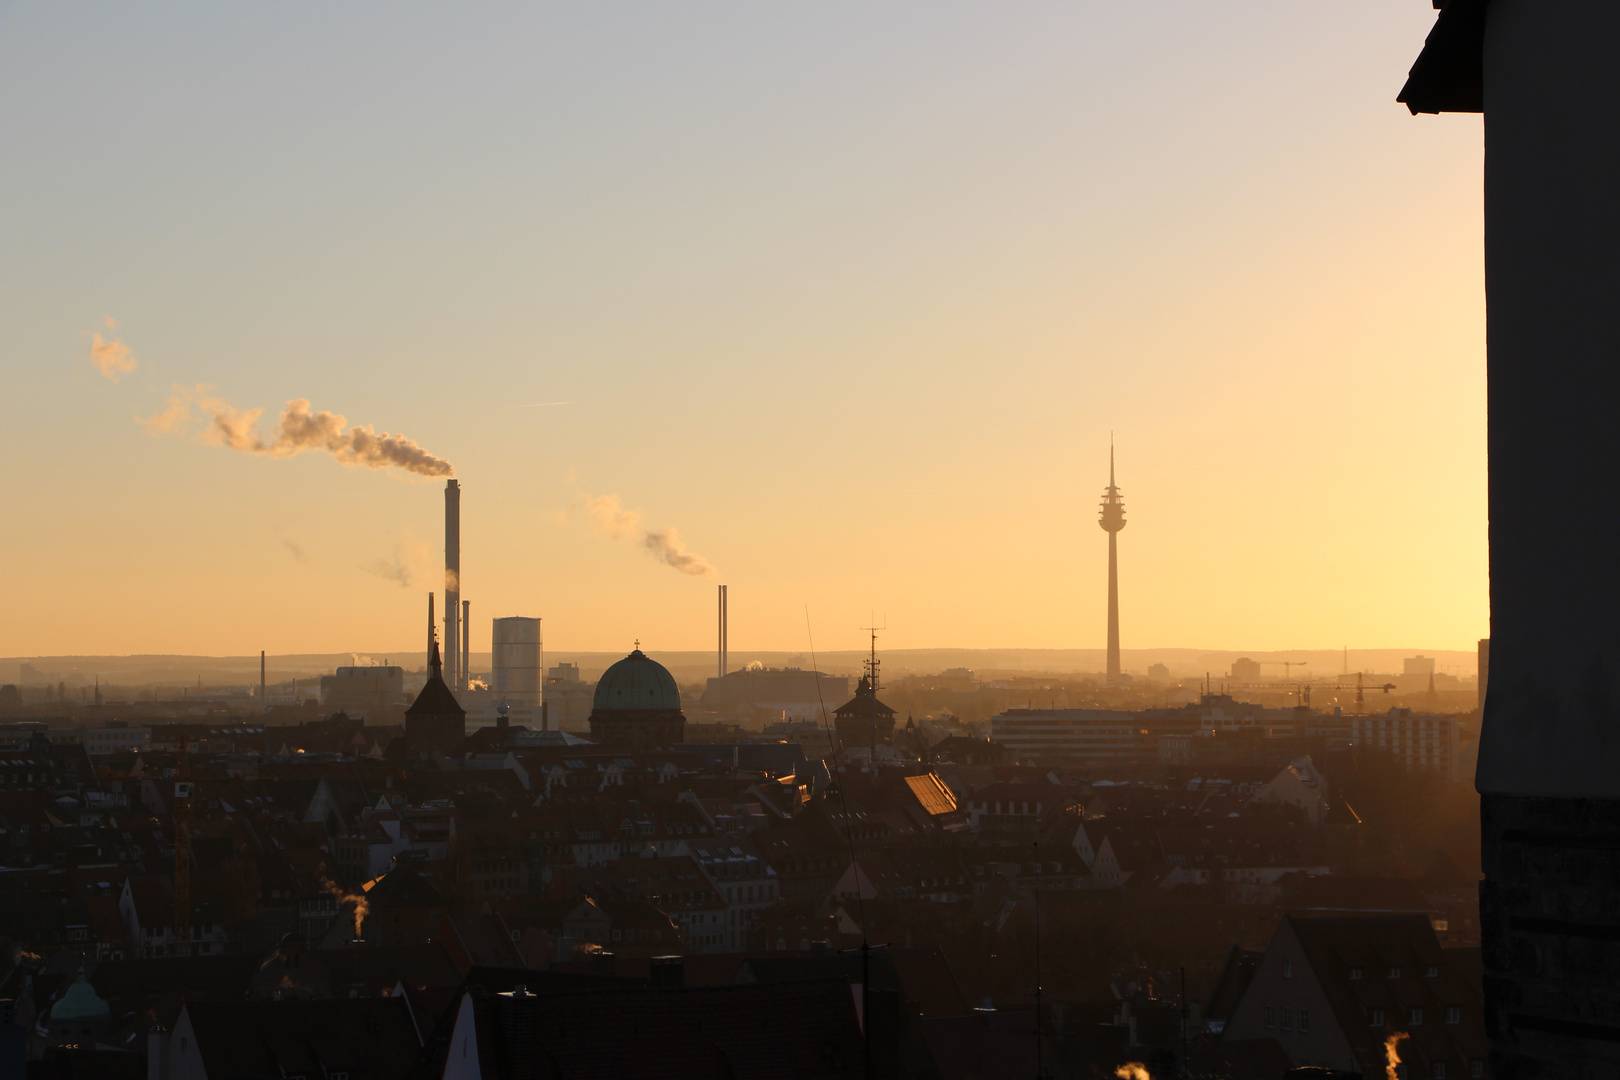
(515, 669)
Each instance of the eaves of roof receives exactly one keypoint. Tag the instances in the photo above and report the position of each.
(1449, 74)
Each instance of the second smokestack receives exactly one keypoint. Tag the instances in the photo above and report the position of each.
(452, 582)
(722, 631)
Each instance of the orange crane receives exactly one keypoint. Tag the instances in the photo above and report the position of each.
(182, 852)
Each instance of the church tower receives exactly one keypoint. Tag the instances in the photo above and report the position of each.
(435, 720)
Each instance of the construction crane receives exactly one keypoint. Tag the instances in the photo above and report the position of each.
(182, 852)
(1288, 666)
(1303, 689)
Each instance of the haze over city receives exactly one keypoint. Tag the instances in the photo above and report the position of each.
(895, 541)
(836, 306)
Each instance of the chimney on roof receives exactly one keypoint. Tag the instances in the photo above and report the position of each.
(666, 972)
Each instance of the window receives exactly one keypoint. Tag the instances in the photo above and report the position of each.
(1355, 973)
(1432, 972)
(1437, 1071)
(1415, 1017)
(1394, 972)
(1288, 969)
(1304, 1020)
(1453, 1014)
(1288, 1019)
(1476, 1069)
(1377, 1018)
(1271, 1016)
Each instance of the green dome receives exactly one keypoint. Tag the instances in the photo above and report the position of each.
(636, 682)
(80, 1002)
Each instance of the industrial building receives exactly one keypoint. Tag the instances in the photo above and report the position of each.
(567, 698)
(760, 693)
(360, 691)
(1078, 735)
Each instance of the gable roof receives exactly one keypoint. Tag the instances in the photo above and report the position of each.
(1394, 955)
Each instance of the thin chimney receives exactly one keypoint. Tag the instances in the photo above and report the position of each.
(466, 642)
(454, 666)
(264, 702)
(722, 631)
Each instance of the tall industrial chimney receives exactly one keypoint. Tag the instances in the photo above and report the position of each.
(429, 651)
(264, 702)
(466, 643)
(452, 581)
(722, 631)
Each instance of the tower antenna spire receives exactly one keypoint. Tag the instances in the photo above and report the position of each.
(1113, 520)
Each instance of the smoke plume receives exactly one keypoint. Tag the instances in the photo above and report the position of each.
(665, 545)
(610, 519)
(362, 907)
(297, 430)
(1392, 1056)
(393, 569)
(111, 356)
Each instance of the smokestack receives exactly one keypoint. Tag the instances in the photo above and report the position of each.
(452, 581)
(264, 702)
(430, 630)
(466, 640)
(722, 631)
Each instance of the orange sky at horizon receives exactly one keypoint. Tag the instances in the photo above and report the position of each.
(853, 314)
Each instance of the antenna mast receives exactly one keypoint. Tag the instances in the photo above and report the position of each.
(872, 663)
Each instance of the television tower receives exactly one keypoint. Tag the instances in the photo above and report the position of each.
(1113, 520)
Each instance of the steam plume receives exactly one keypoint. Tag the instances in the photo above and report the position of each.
(393, 569)
(298, 429)
(665, 544)
(1392, 1056)
(111, 356)
(610, 519)
(362, 907)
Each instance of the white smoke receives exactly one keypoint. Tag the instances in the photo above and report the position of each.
(111, 355)
(298, 429)
(390, 569)
(610, 519)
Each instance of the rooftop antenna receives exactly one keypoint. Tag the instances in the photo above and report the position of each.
(872, 664)
(855, 868)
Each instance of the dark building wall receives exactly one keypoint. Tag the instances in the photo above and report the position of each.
(1549, 764)
(1552, 270)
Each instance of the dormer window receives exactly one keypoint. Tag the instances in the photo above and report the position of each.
(1355, 974)
(1394, 972)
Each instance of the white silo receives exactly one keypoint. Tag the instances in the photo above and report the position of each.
(515, 665)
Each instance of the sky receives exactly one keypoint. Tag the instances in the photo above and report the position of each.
(849, 295)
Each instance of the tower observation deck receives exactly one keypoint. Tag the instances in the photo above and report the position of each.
(1112, 520)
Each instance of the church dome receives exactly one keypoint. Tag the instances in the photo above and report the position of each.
(636, 682)
(81, 1002)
